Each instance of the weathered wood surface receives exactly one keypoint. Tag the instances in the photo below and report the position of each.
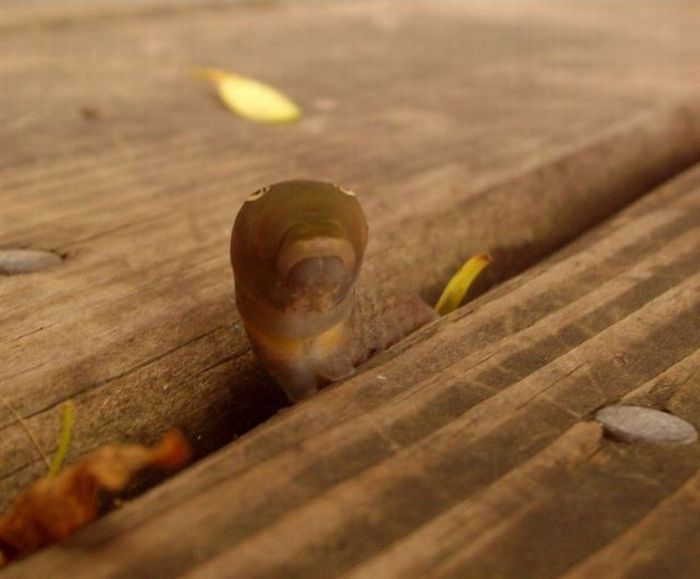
(469, 451)
(465, 128)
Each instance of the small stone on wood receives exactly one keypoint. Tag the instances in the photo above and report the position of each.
(14, 261)
(639, 424)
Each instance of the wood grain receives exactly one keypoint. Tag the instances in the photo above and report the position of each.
(483, 142)
(464, 128)
(469, 450)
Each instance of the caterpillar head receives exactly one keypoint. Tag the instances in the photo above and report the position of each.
(296, 251)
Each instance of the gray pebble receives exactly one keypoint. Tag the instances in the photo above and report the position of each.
(13, 261)
(639, 424)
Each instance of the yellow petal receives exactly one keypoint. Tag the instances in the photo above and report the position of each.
(251, 99)
(67, 419)
(457, 287)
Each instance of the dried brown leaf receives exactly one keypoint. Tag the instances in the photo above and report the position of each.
(53, 508)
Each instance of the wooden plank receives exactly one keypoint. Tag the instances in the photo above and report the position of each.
(454, 153)
(467, 451)
(46, 14)
(661, 544)
(465, 128)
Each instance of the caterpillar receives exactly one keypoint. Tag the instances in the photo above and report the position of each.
(296, 253)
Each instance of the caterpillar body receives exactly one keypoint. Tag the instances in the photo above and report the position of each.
(296, 252)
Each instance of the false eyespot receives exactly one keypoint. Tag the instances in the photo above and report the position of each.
(258, 194)
(344, 190)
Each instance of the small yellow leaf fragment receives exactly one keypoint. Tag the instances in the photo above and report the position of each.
(251, 99)
(67, 420)
(457, 287)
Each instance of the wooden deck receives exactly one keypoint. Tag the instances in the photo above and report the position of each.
(564, 139)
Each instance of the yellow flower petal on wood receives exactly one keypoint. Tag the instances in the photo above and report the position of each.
(251, 99)
(457, 287)
(67, 419)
